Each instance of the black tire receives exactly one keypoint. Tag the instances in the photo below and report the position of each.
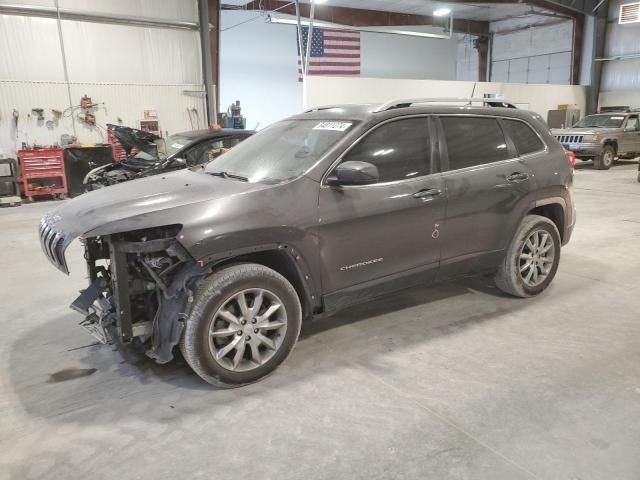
(212, 294)
(604, 161)
(509, 279)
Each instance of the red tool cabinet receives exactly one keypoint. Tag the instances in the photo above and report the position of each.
(42, 172)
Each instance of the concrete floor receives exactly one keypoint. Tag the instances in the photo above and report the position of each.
(456, 381)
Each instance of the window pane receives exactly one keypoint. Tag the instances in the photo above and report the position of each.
(473, 141)
(523, 137)
(400, 149)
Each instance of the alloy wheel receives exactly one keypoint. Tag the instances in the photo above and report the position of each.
(536, 258)
(247, 330)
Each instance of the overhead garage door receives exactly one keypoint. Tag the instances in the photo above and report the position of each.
(534, 55)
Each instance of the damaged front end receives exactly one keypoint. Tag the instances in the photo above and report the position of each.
(141, 289)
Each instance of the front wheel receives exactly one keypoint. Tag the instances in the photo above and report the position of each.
(605, 159)
(245, 322)
(532, 259)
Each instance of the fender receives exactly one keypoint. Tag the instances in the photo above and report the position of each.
(306, 282)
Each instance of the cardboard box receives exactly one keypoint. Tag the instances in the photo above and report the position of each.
(568, 106)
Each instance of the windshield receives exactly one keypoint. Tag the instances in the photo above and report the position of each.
(175, 143)
(605, 121)
(280, 152)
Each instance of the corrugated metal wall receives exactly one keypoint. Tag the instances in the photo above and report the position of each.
(621, 78)
(468, 60)
(128, 68)
(124, 101)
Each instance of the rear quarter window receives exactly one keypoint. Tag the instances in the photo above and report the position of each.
(523, 137)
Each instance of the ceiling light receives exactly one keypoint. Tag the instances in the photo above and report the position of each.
(319, 2)
(440, 12)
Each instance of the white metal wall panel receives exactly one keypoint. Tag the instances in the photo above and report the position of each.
(29, 49)
(125, 101)
(468, 61)
(620, 76)
(118, 53)
(184, 10)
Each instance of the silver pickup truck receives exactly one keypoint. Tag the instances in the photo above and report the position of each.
(603, 137)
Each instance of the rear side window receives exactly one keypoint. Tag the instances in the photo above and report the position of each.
(473, 141)
(400, 149)
(524, 138)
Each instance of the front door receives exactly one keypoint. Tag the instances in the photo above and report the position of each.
(379, 234)
(630, 140)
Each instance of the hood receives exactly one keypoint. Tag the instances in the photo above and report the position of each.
(131, 138)
(580, 131)
(144, 203)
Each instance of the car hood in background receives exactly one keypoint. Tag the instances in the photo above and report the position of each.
(581, 131)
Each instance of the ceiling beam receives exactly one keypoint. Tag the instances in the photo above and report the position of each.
(370, 18)
(568, 8)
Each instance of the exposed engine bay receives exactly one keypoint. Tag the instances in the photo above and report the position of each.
(141, 287)
(141, 154)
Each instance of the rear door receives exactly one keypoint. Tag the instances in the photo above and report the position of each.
(486, 180)
(382, 231)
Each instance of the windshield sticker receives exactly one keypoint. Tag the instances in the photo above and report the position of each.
(177, 145)
(334, 126)
(617, 118)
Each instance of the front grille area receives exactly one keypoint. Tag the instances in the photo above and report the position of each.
(52, 243)
(570, 138)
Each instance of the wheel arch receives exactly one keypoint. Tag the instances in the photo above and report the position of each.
(288, 262)
(555, 210)
(611, 141)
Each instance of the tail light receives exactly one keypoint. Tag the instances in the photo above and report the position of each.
(571, 158)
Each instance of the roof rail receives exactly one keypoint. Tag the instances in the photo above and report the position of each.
(323, 107)
(492, 102)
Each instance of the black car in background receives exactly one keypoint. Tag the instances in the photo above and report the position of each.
(182, 150)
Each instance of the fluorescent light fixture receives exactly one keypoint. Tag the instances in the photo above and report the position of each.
(319, 2)
(441, 12)
(335, 26)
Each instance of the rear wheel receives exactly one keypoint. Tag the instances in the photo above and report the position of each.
(605, 159)
(245, 322)
(532, 259)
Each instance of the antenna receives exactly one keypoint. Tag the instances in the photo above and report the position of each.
(474, 90)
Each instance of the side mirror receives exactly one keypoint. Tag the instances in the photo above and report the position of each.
(354, 173)
(177, 162)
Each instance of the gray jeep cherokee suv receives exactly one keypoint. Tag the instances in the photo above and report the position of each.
(322, 210)
(603, 137)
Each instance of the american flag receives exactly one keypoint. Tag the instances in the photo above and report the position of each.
(333, 52)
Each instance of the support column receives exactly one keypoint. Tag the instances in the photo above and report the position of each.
(599, 36)
(482, 45)
(205, 14)
(578, 30)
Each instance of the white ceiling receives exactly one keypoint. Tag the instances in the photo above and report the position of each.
(469, 11)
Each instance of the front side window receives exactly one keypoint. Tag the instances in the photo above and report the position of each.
(400, 150)
(600, 120)
(473, 141)
(523, 137)
(209, 150)
(633, 124)
(280, 152)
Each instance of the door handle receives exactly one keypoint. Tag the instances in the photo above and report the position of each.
(427, 193)
(517, 177)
